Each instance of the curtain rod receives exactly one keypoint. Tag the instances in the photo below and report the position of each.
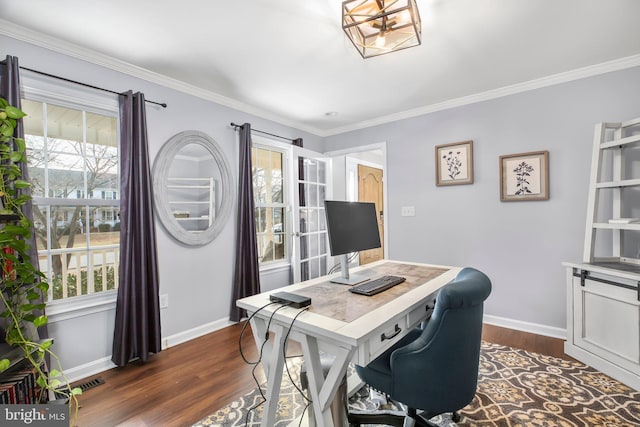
(235, 126)
(162, 104)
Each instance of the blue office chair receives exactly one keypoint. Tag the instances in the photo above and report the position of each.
(434, 369)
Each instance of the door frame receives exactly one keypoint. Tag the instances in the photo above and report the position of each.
(385, 202)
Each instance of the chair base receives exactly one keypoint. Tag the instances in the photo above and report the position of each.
(411, 418)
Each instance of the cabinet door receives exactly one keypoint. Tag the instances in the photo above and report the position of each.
(606, 321)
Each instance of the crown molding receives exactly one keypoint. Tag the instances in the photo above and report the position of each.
(57, 45)
(36, 38)
(577, 74)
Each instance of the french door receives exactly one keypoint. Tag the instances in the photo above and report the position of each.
(312, 173)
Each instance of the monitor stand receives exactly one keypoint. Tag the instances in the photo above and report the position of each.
(346, 278)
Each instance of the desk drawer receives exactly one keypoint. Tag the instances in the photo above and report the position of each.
(423, 312)
(392, 331)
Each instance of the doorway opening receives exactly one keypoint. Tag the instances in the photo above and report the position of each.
(359, 175)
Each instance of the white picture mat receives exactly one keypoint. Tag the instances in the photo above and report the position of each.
(460, 153)
(534, 177)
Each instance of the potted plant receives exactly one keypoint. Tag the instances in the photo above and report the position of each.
(23, 288)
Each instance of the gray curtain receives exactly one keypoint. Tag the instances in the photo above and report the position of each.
(137, 326)
(246, 277)
(10, 90)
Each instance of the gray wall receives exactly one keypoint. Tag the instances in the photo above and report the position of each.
(197, 280)
(520, 245)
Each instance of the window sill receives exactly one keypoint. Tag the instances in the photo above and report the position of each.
(81, 306)
(274, 267)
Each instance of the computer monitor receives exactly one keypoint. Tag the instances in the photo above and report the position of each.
(352, 227)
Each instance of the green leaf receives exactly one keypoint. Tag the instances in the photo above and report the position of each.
(40, 321)
(46, 345)
(6, 130)
(14, 170)
(22, 146)
(16, 156)
(18, 183)
(21, 200)
(54, 383)
(13, 336)
(42, 381)
(32, 295)
(54, 373)
(76, 391)
(13, 112)
(3, 103)
(4, 364)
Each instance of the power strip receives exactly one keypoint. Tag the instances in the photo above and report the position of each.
(292, 300)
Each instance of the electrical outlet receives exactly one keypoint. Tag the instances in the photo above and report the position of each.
(164, 301)
(408, 211)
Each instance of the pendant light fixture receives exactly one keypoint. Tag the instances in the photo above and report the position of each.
(376, 27)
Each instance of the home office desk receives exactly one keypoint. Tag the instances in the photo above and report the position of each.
(352, 328)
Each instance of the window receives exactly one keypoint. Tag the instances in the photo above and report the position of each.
(269, 192)
(71, 151)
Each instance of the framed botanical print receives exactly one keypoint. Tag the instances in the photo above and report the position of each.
(454, 163)
(524, 176)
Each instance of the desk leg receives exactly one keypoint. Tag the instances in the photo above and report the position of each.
(272, 363)
(322, 389)
(259, 329)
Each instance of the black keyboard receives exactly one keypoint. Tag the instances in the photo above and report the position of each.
(376, 286)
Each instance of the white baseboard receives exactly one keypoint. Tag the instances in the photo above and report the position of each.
(196, 332)
(535, 328)
(83, 371)
(95, 367)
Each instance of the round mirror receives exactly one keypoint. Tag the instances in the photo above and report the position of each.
(192, 183)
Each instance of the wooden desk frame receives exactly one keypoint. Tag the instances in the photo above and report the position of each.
(358, 340)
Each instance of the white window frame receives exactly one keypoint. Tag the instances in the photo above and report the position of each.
(285, 150)
(58, 92)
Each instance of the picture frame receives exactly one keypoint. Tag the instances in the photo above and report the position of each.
(454, 163)
(524, 176)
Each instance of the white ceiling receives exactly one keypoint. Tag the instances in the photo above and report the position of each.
(289, 60)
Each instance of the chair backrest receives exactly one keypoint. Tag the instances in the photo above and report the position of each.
(438, 372)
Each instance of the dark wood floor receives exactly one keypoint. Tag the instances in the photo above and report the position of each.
(183, 384)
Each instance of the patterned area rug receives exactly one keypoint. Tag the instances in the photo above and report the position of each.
(515, 388)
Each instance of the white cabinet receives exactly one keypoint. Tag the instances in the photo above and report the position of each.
(603, 320)
(603, 291)
(192, 202)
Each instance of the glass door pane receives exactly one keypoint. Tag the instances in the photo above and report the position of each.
(310, 242)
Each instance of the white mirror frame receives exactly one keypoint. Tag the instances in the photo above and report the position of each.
(160, 169)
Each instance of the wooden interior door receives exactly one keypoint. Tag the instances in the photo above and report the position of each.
(370, 190)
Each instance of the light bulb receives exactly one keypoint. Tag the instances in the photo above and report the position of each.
(381, 40)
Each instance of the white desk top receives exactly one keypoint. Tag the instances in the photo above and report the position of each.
(340, 316)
